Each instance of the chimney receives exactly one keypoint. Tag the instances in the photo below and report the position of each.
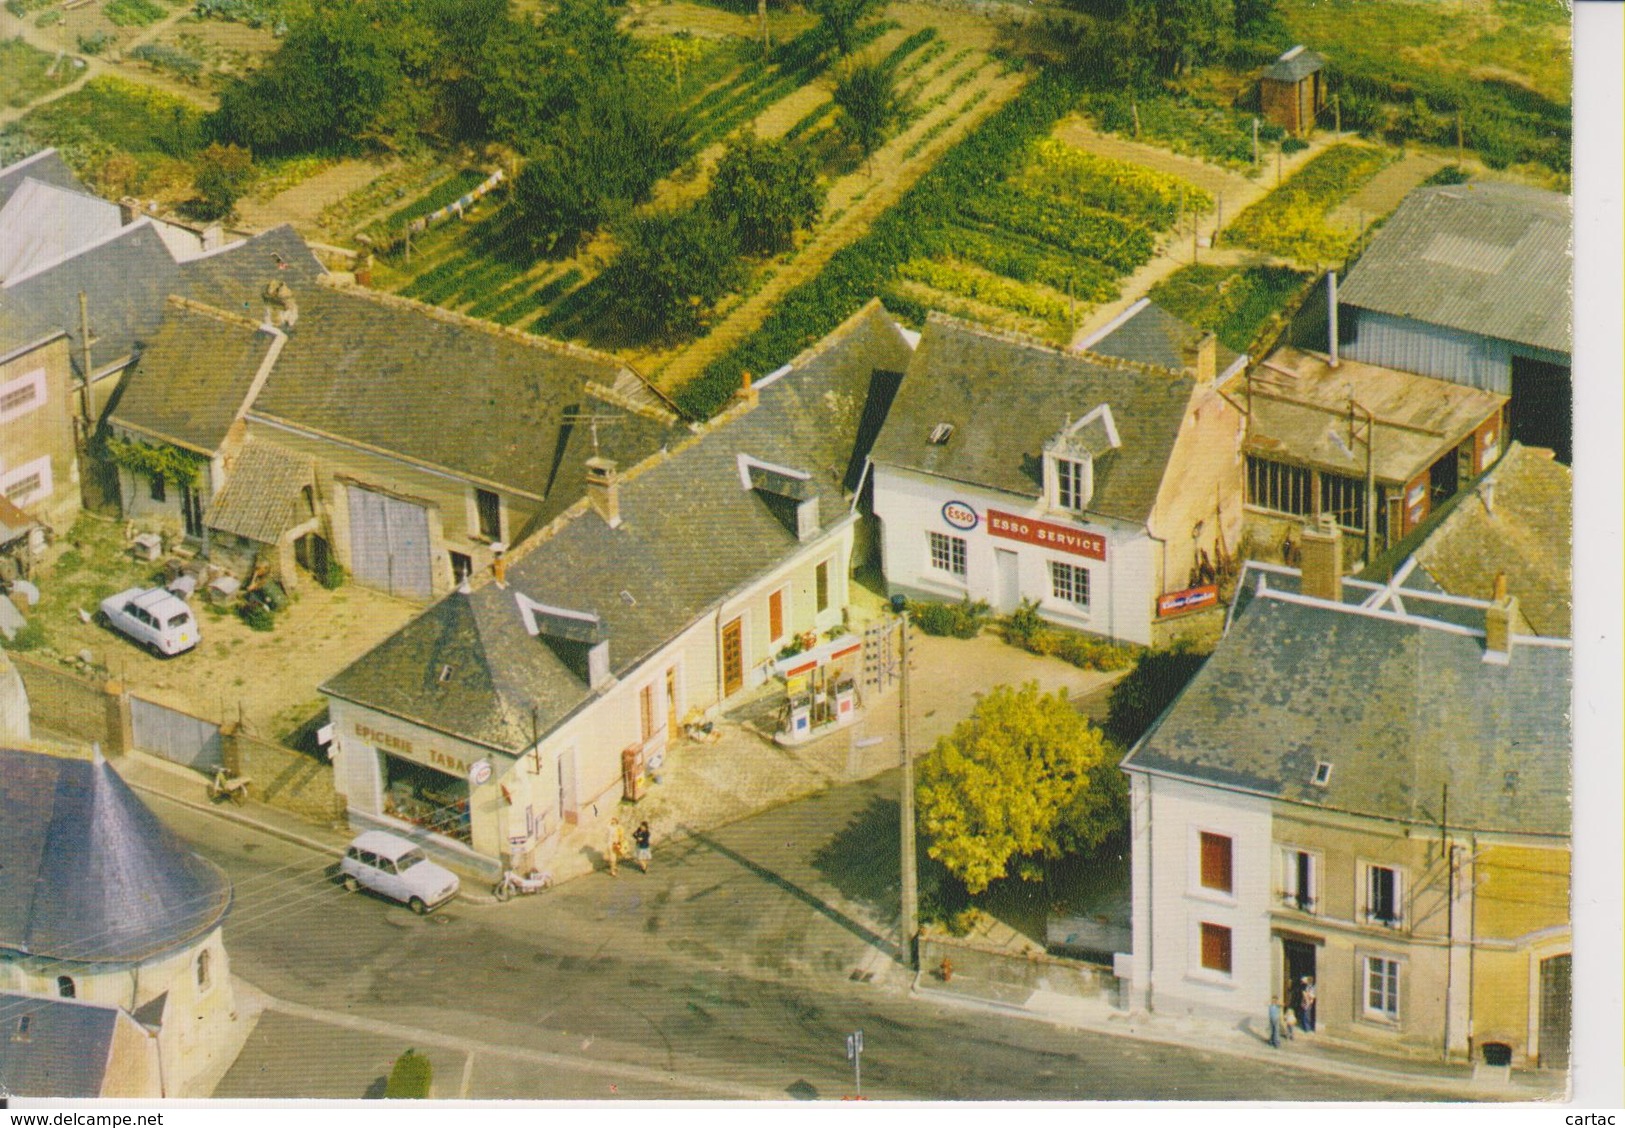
(1204, 358)
(807, 519)
(281, 310)
(604, 490)
(499, 571)
(1486, 493)
(129, 210)
(747, 393)
(1498, 619)
(1322, 568)
(1331, 316)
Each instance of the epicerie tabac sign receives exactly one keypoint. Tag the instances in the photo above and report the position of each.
(389, 742)
(1046, 534)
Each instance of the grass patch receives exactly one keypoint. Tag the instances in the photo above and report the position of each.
(25, 73)
(133, 13)
(110, 115)
(1240, 304)
(1182, 123)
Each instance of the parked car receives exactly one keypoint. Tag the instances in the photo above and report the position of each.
(158, 619)
(398, 869)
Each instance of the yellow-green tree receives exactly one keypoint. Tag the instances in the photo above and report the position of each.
(1023, 777)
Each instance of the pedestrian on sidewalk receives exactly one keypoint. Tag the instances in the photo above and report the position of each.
(1276, 1025)
(640, 838)
(615, 848)
(1306, 1005)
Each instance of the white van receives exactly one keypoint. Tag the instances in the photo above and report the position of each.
(398, 869)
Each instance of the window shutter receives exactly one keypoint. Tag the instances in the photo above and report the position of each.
(1216, 862)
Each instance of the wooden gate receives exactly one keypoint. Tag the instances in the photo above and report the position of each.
(174, 735)
(1555, 1011)
(389, 544)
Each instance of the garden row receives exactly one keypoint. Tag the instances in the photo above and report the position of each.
(1291, 221)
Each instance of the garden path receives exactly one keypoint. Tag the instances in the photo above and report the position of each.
(303, 202)
(1383, 192)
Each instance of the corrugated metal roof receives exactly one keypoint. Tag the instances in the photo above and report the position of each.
(1486, 258)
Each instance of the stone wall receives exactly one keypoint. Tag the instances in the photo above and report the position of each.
(1024, 971)
(292, 781)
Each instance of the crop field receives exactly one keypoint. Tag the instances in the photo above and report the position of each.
(1047, 242)
(1239, 303)
(1291, 221)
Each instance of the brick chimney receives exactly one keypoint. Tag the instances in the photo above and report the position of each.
(604, 489)
(281, 310)
(1499, 617)
(1322, 567)
(1203, 358)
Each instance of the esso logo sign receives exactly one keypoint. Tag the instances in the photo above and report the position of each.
(960, 515)
(480, 773)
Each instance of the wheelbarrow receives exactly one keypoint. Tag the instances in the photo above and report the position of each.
(231, 787)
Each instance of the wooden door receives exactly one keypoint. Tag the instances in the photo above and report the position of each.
(775, 616)
(733, 658)
(671, 702)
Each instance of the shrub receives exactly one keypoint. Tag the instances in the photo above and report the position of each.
(257, 615)
(1293, 145)
(30, 636)
(960, 620)
(411, 1078)
(1449, 174)
(333, 577)
(1140, 698)
(164, 56)
(96, 42)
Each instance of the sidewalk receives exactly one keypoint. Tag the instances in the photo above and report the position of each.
(1313, 1053)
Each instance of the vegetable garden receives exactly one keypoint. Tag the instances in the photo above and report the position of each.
(1291, 221)
(1237, 303)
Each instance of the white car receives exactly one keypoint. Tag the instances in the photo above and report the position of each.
(158, 619)
(398, 869)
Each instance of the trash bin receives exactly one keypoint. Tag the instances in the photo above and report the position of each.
(899, 604)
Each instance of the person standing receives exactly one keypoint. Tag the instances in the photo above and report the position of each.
(1275, 1023)
(615, 848)
(1306, 1012)
(640, 838)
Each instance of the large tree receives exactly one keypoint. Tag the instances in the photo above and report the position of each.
(674, 266)
(869, 103)
(840, 20)
(222, 173)
(767, 190)
(1148, 689)
(1024, 777)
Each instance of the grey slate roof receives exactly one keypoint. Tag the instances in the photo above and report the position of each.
(193, 378)
(64, 1052)
(46, 166)
(690, 534)
(88, 873)
(469, 398)
(1298, 67)
(1399, 708)
(1152, 335)
(1006, 398)
(1518, 522)
(233, 277)
(1483, 257)
(125, 280)
(41, 222)
(261, 498)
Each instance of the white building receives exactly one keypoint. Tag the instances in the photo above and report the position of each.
(1104, 485)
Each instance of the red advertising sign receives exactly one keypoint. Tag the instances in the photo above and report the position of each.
(1047, 534)
(1191, 599)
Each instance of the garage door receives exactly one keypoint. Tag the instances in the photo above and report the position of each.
(389, 544)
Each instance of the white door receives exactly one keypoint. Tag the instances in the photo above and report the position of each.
(1009, 573)
(567, 785)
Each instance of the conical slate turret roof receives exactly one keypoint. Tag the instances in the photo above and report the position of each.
(88, 873)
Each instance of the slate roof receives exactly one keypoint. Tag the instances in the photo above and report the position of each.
(1518, 522)
(46, 166)
(487, 404)
(690, 534)
(1005, 398)
(1295, 65)
(193, 378)
(261, 497)
(65, 1050)
(234, 277)
(125, 279)
(1400, 706)
(1149, 334)
(88, 873)
(1299, 402)
(1482, 257)
(41, 222)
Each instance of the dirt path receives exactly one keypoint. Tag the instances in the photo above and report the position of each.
(1383, 192)
(856, 200)
(301, 204)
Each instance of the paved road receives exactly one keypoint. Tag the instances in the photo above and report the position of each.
(724, 973)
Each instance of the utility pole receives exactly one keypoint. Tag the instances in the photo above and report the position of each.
(1134, 106)
(767, 40)
(1458, 139)
(1337, 113)
(1280, 147)
(84, 354)
(1255, 142)
(1449, 853)
(1218, 224)
(911, 894)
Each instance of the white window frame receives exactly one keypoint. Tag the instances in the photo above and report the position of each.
(40, 466)
(1289, 880)
(955, 549)
(1071, 603)
(1392, 988)
(478, 534)
(1074, 482)
(1363, 895)
(34, 379)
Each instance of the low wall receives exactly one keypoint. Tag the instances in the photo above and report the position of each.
(291, 781)
(1032, 972)
(1199, 628)
(70, 706)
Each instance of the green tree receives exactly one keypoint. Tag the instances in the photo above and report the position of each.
(1175, 35)
(1252, 18)
(222, 173)
(1024, 777)
(412, 1077)
(840, 19)
(869, 104)
(1147, 690)
(673, 267)
(767, 189)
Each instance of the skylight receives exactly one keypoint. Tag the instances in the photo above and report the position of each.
(941, 433)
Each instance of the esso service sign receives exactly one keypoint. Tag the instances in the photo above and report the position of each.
(479, 773)
(960, 515)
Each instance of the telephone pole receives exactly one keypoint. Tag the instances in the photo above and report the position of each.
(911, 894)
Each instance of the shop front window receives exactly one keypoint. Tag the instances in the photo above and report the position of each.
(436, 801)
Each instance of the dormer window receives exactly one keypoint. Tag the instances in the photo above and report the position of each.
(941, 433)
(1070, 457)
(1073, 482)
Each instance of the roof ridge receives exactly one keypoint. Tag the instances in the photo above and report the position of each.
(192, 305)
(52, 264)
(463, 320)
(1014, 337)
(28, 160)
